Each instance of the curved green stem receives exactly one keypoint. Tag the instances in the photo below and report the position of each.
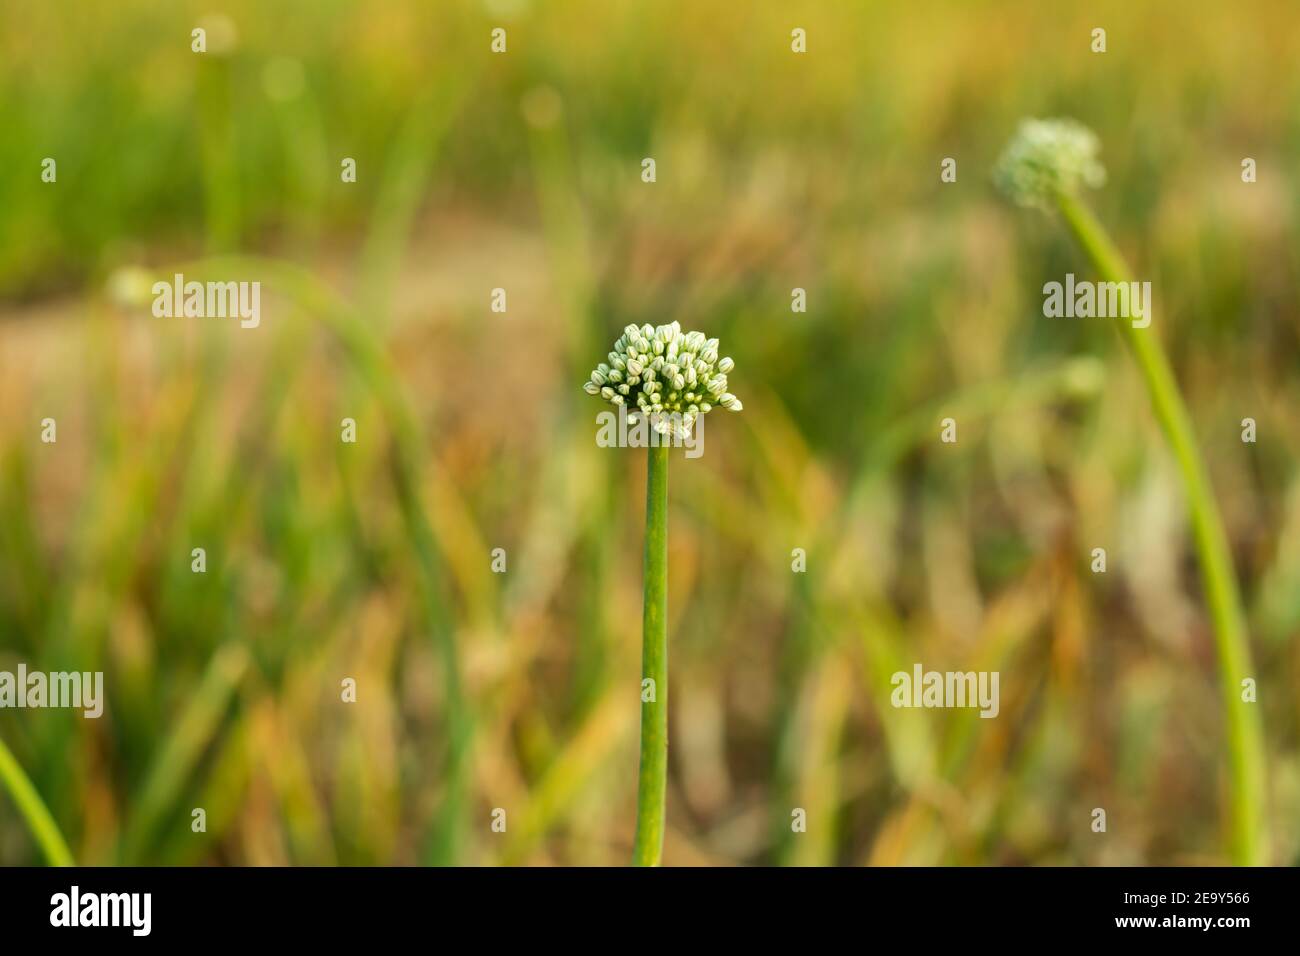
(33, 810)
(1245, 732)
(653, 783)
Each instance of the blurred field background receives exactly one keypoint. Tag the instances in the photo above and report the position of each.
(520, 690)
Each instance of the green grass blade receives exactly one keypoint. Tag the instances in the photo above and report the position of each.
(33, 810)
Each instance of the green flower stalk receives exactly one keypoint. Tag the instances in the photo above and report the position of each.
(1044, 167)
(672, 378)
(652, 778)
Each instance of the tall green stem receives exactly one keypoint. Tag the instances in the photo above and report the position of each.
(33, 810)
(653, 783)
(1245, 733)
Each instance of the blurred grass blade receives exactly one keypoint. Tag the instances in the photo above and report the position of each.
(39, 821)
(181, 751)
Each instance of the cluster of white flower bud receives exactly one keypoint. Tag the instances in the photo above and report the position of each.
(660, 371)
(1046, 158)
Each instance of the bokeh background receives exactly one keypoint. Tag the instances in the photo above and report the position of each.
(522, 171)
